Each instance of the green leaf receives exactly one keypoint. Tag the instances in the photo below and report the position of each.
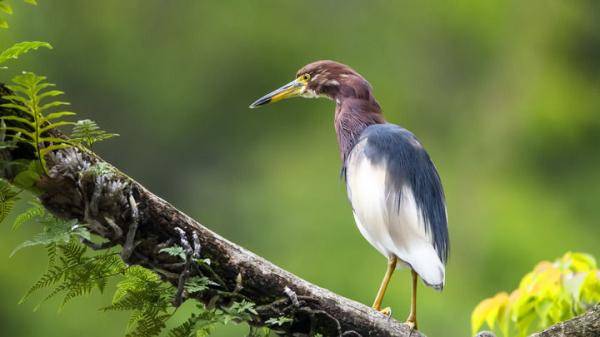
(552, 292)
(20, 48)
(174, 251)
(87, 132)
(242, 310)
(35, 211)
(198, 284)
(279, 321)
(26, 179)
(28, 91)
(52, 105)
(57, 115)
(6, 8)
(8, 198)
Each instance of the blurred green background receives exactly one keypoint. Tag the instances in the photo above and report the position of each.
(504, 94)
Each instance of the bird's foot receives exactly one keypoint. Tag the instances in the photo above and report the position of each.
(386, 311)
(412, 323)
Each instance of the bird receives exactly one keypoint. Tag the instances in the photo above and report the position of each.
(394, 189)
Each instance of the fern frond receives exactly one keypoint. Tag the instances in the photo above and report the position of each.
(35, 211)
(187, 328)
(87, 132)
(5, 143)
(73, 273)
(142, 292)
(175, 251)
(149, 325)
(55, 231)
(21, 48)
(50, 277)
(198, 284)
(8, 198)
(33, 120)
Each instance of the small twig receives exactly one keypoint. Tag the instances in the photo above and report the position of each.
(118, 232)
(183, 277)
(94, 199)
(129, 241)
(197, 246)
(189, 259)
(292, 295)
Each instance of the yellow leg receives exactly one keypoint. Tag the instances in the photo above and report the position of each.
(412, 317)
(384, 284)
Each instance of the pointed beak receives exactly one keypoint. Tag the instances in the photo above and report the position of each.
(292, 89)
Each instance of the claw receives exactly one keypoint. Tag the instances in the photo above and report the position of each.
(386, 311)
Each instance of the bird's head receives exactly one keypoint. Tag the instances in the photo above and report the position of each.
(321, 79)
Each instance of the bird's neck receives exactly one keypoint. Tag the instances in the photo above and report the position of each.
(352, 116)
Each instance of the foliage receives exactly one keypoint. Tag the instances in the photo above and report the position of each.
(8, 198)
(150, 300)
(32, 115)
(30, 92)
(54, 230)
(198, 284)
(279, 321)
(551, 293)
(142, 292)
(20, 48)
(176, 250)
(7, 9)
(34, 121)
(87, 132)
(73, 273)
(4, 143)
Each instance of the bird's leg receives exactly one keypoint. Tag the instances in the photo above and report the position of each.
(412, 317)
(384, 284)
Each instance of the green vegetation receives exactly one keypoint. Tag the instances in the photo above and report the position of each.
(29, 93)
(73, 272)
(553, 292)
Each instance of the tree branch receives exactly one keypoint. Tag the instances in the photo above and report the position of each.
(82, 186)
(586, 325)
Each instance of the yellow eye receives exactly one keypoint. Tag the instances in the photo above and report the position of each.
(306, 77)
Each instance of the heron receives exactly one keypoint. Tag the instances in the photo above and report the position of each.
(394, 188)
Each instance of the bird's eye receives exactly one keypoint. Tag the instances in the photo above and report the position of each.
(306, 77)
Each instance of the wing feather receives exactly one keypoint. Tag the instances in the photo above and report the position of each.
(398, 200)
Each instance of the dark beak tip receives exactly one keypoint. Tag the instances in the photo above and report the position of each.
(259, 102)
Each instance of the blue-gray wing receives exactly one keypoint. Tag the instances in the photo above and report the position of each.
(408, 168)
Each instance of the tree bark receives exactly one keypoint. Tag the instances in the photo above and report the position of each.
(586, 325)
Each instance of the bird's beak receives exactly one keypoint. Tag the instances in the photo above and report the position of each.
(292, 89)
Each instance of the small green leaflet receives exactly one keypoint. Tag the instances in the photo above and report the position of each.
(175, 251)
(198, 284)
(279, 321)
(87, 132)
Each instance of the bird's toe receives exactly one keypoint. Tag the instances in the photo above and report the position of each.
(386, 311)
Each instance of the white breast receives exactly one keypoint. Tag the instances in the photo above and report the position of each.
(392, 226)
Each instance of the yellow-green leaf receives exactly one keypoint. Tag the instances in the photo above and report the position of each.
(6, 8)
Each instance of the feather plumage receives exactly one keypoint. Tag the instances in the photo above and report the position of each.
(398, 200)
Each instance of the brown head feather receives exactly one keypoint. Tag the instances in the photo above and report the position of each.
(356, 107)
